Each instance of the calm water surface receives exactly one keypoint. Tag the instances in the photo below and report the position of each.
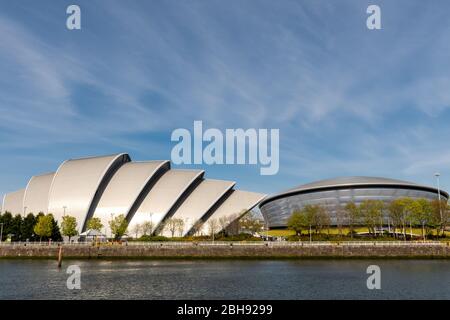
(228, 279)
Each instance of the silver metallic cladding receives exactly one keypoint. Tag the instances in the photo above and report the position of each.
(277, 209)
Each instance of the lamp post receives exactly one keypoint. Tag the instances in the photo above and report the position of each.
(112, 219)
(151, 223)
(437, 174)
(1, 232)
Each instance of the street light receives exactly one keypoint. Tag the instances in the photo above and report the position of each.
(437, 174)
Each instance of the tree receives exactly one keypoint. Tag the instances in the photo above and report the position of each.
(147, 227)
(440, 212)
(173, 225)
(118, 226)
(27, 227)
(340, 219)
(15, 228)
(196, 228)
(95, 224)
(320, 218)
(249, 222)
(69, 226)
(323, 219)
(422, 214)
(56, 234)
(136, 229)
(213, 225)
(225, 221)
(397, 213)
(353, 215)
(233, 226)
(372, 213)
(297, 222)
(6, 219)
(180, 227)
(310, 216)
(44, 226)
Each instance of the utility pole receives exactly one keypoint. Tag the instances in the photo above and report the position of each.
(1, 232)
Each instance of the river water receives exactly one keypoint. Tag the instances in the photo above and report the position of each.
(225, 279)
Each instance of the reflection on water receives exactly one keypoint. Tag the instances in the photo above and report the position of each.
(225, 279)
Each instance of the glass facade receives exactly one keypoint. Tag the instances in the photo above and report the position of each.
(277, 212)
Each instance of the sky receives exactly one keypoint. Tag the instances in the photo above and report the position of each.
(347, 100)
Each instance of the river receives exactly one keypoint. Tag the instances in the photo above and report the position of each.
(225, 279)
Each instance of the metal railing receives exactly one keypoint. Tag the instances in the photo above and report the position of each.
(231, 243)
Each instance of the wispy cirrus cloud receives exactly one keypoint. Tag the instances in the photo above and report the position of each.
(347, 100)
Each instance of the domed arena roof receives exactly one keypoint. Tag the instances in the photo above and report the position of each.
(351, 182)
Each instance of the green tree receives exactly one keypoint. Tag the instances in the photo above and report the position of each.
(353, 215)
(15, 230)
(69, 226)
(297, 222)
(320, 218)
(44, 226)
(249, 222)
(372, 213)
(310, 215)
(95, 224)
(422, 214)
(397, 213)
(7, 220)
(27, 227)
(56, 233)
(118, 226)
(440, 212)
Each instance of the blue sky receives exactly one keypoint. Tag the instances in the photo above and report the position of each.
(347, 100)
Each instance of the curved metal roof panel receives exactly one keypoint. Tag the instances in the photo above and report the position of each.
(36, 193)
(232, 208)
(13, 202)
(78, 185)
(164, 195)
(200, 201)
(124, 189)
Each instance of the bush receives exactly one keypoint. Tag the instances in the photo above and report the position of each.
(153, 238)
(238, 237)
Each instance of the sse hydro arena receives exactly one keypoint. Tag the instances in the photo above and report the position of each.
(143, 191)
(336, 193)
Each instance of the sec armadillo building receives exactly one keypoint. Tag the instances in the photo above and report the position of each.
(334, 194)
(107, 186)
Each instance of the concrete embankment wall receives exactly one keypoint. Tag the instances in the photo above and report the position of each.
(228, 251)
